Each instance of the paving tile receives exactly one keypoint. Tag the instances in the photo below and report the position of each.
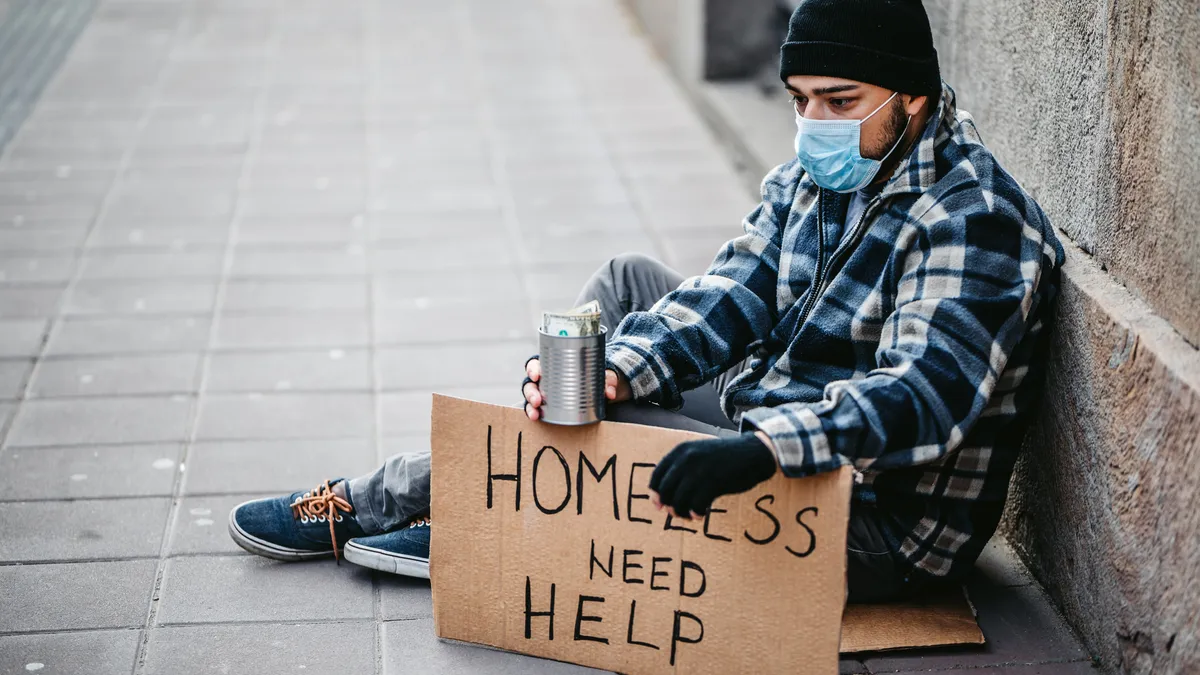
(174, 234)
(252, 588)
(1019, 624)
(149, 374)
(613, 221)
(429, 367)
(170, 201)
(851, 666)
(554, 283)
(91, 421)
(403, 598)
(999, 566)
(202, 525)
(441, 321)
(24, 302)
(310, 263)
(409, 642)
(248, 416)
(586, 250)
(250, 650)
(79, 336)
(407, 413)
(81, 530)
(85, 653)
(152, 265)
(142, 297)
(691, 251)
(1075, 668)
(22, 337)
(13, 375)
(279, 295)
(274, 466)
(403, 228)
(425, 254)
(290, 230)
(37, 269)
(310, 370)
(76, 595)
(330, 330)
(404, 292)
(88, 471)
(65, 237)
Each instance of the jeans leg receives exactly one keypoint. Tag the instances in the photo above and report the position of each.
(874, 573)
(393, 494)
(632, 282)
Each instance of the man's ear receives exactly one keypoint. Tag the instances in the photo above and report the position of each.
(913, 104)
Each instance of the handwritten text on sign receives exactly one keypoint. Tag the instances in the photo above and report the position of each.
(545, 542)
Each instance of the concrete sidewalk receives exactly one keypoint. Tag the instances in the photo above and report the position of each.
(240, 243)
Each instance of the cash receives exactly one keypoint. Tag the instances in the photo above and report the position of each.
(581, 321)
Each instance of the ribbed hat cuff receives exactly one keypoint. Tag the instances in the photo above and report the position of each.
(835, 59)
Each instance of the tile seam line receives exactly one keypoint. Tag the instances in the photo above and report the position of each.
(369, 53)
(53, 323)
(258, 115)
(497, 166)
(206, 624)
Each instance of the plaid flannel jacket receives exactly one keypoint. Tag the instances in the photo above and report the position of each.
(911, 351)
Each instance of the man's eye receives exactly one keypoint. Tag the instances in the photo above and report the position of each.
(839, 102)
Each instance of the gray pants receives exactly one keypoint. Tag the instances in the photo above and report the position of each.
(398, 491)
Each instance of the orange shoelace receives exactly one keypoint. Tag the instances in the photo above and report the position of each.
(319, 505)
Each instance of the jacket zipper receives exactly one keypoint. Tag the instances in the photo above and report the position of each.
(820, 282)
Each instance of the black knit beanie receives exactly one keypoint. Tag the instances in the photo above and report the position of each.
(887, 43)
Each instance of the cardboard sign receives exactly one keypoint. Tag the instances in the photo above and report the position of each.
(547, 544)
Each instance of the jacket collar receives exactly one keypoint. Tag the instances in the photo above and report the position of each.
(917, 173)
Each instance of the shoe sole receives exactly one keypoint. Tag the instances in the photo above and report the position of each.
(265, 548)
(386, 561)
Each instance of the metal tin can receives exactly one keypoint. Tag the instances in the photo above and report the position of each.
(572, 381)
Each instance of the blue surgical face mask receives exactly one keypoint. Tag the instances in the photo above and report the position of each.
(829, 151)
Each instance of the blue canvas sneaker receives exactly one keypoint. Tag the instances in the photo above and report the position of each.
(404, 551)
(301, 526)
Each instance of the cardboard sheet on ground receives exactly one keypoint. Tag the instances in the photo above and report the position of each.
(547, 544)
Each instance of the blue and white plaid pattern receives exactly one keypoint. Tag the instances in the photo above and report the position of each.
(912, 365)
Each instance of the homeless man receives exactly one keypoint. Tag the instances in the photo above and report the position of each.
(885, 308)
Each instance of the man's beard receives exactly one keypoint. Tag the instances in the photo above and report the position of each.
(897, 123)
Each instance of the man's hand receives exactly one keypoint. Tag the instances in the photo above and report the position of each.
(616, 388)
(695, 473)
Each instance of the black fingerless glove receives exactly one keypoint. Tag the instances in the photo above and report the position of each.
(695, 473)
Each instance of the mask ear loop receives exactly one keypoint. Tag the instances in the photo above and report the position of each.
(894, 95)
(898, 139)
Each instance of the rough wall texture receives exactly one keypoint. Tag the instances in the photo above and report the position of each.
(1105, 502)
(1096, 107)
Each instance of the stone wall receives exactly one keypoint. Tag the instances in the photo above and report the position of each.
(1095, 107)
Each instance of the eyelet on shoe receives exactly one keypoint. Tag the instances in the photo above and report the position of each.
(321, 519)
(339, 519)
(304, 519)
